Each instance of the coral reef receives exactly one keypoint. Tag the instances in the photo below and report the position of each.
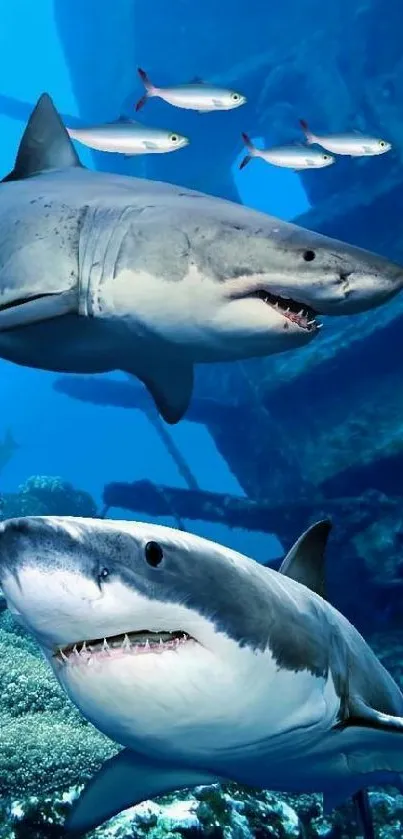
(47, 496)
(46, 746)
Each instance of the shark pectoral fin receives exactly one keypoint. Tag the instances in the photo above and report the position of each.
(45, 143)
(124, 781)
(305, 562)
(374, 755)
(361, 714)
(170, 383)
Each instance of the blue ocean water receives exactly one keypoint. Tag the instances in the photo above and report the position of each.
(91, 73)
(322, 425)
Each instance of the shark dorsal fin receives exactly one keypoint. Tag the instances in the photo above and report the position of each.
(45, 143)
(305, 562)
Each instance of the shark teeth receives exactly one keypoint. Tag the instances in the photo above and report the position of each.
(290, 309)
(126, 643)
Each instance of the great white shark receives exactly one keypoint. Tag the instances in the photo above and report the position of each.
(204, 665)
(103, 272)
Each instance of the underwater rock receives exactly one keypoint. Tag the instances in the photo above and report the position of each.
(215, 812)
(43, 495)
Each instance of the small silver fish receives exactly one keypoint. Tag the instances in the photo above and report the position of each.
(354, 144)
(196, 96)
(128, 137)
(290, 157)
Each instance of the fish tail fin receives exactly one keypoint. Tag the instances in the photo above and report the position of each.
(141, 102)
(308, 134)
(150, 89)
(251, 149)
(146, 81)
(248, 143)
(246, 160)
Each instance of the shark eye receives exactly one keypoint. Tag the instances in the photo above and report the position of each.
(153, 554)
(309, 256)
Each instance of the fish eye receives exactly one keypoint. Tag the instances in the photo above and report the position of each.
(153, 554)
(309, 255)
(325, 157)
(103, 574)
(235, 97)
(174, 138)
(382, 143)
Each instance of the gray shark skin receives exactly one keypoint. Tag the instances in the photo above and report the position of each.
(101, 272)
(204, 665)
(306, 562)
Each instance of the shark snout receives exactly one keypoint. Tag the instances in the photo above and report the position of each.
(361, 287)
(340, 279)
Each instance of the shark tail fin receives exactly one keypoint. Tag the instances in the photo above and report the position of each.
(45, 144)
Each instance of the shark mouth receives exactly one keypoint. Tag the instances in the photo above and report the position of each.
(130, 643)
(304, 316)
(37, 307)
